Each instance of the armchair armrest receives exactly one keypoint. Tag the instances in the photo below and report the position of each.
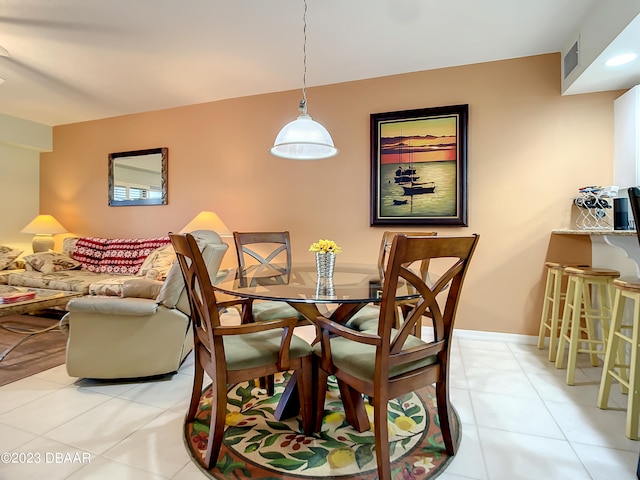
(113, 306)
(328, 327)
(336, 328)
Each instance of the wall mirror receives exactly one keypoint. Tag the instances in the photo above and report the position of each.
(138, 177)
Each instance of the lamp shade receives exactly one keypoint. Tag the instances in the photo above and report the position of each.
(44, 225)
(207, 221)
(304, 139)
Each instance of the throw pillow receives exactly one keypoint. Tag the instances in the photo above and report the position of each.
(8, 255)
(157, 265)
(49, 262)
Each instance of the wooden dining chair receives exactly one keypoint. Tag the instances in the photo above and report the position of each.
(265, 257)
(236, 353)
(367, 318)
(390, 362)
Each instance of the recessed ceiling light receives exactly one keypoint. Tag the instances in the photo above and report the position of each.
(620, 59)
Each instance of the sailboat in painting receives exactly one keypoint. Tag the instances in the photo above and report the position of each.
(405, 174)
(412, 187)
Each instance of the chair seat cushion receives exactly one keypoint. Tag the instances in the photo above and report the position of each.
(261, 348)
(359, 360)
(273, 310)
(365, 319)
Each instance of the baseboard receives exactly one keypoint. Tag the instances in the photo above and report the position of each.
(487, 336)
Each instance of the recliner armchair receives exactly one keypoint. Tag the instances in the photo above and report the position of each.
(146, 333)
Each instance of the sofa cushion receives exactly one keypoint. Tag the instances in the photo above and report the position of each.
(109, 285)
(8, 255)
(122, 256)
(49, 262)
(4, 275)
(70, 280)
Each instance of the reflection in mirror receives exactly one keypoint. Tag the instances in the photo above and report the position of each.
(138, 177)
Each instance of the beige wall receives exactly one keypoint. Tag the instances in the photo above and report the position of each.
(529, 150)
(21, 142)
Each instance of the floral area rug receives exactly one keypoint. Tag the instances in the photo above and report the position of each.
(256, 445)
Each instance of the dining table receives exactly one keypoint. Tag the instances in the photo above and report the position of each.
(339, 297)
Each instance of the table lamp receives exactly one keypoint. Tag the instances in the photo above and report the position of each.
(207, 221)
(44, 227)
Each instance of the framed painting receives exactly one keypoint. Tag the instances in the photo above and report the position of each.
(419, 167)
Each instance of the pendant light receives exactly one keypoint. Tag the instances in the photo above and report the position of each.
(304, 138)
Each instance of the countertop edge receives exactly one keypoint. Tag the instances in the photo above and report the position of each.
(567, 231)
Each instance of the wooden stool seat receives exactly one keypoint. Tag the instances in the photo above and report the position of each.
(615, 364)
(580, 314)
(554, 296)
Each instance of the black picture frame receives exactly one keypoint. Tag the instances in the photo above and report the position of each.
(419, 166)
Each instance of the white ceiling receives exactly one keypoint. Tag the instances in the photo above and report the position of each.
(77, 60)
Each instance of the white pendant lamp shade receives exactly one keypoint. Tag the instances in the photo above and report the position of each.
(304, 139)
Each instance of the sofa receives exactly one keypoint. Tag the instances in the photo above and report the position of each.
(143, 331)
(94, 265)
(9, 262)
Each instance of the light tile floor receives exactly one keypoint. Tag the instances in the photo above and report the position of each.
(519, 421)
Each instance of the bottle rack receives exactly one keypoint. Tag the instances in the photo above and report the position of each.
(593, 204)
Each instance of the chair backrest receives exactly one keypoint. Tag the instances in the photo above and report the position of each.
(263, 253)
(202, 300)
(634, 200)
(456, 252)
(385, 248)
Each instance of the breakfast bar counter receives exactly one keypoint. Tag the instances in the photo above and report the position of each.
(617, 249)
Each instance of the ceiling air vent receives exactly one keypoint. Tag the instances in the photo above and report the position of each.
(571, 59)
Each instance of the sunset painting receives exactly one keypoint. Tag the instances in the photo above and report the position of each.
(419, 167)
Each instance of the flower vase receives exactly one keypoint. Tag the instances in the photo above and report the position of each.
(325, 262)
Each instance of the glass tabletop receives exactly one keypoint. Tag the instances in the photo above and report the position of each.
(351, 283)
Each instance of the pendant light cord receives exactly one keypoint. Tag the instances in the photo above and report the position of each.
(303, 102)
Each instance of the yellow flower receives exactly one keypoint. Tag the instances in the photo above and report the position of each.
(325, 246)
(341, 457)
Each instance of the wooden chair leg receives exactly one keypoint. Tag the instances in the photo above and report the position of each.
(196, 391)
(268, 383)
(216, 425)
(569, 306)
(305, 393)
(610, 357)
(442, 397)
(354, 408)
(381, 434)
(320, 395)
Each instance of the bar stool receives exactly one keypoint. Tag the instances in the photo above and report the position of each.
(578, 306)
(628, 374)
(554, 295)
